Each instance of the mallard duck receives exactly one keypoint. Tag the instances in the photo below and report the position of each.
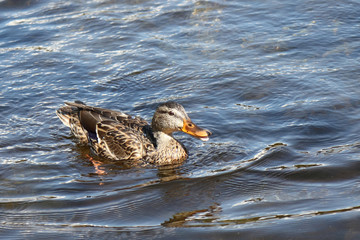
(119, 136)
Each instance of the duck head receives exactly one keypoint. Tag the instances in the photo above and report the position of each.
(170, 117)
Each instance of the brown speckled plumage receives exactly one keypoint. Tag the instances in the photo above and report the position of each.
(119, 136)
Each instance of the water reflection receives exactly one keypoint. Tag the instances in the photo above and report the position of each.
(196, 218)
(209, 218)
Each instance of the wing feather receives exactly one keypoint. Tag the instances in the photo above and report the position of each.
(117, 141)
(111, 134)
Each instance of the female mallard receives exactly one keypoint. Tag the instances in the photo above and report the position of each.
(119, 136)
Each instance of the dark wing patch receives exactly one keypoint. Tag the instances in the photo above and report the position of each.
(101, 112)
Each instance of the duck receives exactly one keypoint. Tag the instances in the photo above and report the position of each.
(119, 136)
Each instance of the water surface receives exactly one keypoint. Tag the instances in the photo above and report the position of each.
(277, 82)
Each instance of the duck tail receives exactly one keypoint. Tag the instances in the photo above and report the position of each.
(69, 112)
(69, 116)
(66, 113)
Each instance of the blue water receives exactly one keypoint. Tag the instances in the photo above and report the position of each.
(277, 83)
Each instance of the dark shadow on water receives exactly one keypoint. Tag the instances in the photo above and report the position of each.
(18, 4)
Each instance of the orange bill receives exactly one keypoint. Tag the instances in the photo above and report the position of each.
(190, 128)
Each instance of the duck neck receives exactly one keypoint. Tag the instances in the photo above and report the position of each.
(163, 140)
(168, 149)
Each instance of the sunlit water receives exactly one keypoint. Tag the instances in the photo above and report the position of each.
(277, 82)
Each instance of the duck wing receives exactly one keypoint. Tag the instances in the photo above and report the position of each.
(97, 114)
(117, 141)
(89, 116)
(114, 134)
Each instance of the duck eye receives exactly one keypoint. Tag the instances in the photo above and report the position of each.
(171, 113)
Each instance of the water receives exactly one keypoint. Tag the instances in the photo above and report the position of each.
(277, 82)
